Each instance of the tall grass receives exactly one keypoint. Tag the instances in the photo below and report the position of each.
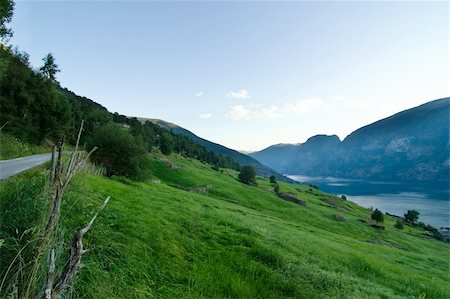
(11, 147)
(23, 203)
(160, 239)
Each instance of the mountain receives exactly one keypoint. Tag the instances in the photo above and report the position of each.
(410, 145)
(277, 156)
(240, 158)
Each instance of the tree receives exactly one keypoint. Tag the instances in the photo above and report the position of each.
(411, 216)
(273, 179)
(166, 144)
(399, 224)
(119, 152)
(377, 215)
(6, 13)
(50, 68)
(248, 175)
(276, 189)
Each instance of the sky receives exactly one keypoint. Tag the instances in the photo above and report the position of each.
(245, 74)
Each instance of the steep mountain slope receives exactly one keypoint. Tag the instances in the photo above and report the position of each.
(192, 232)
(413, 144)
(320, 151)
(410, 145)
(277, 156)
(240, 158)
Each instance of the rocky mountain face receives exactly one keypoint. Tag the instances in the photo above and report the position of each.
(410, 145)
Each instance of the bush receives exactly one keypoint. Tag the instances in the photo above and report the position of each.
(273, 179)
(119, 152)
(411, 216)
(344, 197)
(377, 215)
(314, 186)
(277, 188)
(399, 224)
(248, 175)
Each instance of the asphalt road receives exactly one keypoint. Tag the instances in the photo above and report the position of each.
(14, 166)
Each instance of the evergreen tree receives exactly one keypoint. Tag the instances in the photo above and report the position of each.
(50, 68)
(166, 143)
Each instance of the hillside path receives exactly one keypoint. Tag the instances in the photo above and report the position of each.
(12, 167)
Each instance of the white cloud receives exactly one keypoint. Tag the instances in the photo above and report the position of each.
(205, 115)
(200, 94)
(271, 112)
(293, 108)
(239, 94)
(239, 112)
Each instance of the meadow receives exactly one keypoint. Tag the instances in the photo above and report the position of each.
(194, 232)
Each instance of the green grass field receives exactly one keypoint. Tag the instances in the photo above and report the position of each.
(193, 232)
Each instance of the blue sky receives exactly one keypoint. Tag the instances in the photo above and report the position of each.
(245, 74)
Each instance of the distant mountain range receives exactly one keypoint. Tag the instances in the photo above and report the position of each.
(239, 157)
(410, 145)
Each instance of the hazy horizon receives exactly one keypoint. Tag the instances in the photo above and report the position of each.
(246, 75)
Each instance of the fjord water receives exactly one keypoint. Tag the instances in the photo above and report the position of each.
(430, 199)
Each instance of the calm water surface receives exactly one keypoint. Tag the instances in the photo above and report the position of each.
(430, 199)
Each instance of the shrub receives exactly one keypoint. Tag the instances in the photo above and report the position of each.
(273, 179)
(119, 152)
(411, 216)
(314, 186)
(248, 175)
(377, 215)
(399, 224)
(344, 197)
(276, 189)
(430, 228)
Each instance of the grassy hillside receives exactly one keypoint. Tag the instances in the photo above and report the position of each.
(193, 232)
(240, 158)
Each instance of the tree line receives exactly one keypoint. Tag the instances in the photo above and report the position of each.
(36, 109)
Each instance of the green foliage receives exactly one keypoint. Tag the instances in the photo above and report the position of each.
(276, 189)
(235, 241)
(38, 109)
(166, 143)
(411, 216)
(11, 147)
(377, 215)
(248, 175)
(50, 68)
(35, 109)
(399, 224)
(119, 152)
(273, 179)
(343, 197)
(6, 13)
